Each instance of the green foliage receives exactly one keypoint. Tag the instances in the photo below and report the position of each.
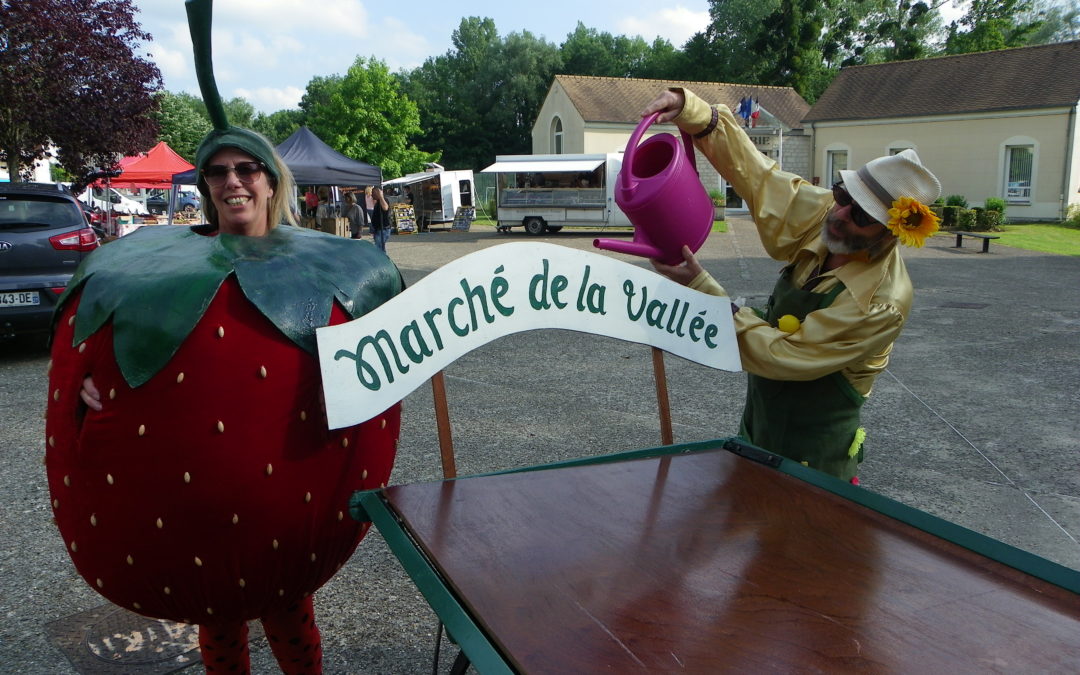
(989, 221)
(69, 76)
(183, 125)
(1060, 21)
(279, 125)
(992, 25)
(950, 215)
(365, 116)
(789, 48)
(239, 111)
(956, 200)
(59, 174)
(966, 220)
(995, 204)
(481, 98)
(1073, 217)
(717, 197)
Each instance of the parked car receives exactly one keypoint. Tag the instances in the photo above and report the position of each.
(44, 235)
(187, 202)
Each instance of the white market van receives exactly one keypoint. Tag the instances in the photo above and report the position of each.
(544, 193)
(435, 194)
(96, 196)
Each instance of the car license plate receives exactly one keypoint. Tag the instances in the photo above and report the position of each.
(19, 298)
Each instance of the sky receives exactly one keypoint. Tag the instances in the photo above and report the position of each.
(267, 51)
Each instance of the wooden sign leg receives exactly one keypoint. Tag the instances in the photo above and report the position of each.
(442, 420)
(660, 375)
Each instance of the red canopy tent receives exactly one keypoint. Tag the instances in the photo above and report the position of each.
(154, 169)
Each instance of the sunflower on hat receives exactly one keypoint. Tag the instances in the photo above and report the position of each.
(912, 221)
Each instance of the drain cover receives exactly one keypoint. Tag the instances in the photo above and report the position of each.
(965, 305)
(108, 640)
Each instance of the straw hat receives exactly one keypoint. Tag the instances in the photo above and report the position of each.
(884, 180)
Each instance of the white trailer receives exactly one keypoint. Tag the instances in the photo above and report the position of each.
(435, 194)
(544, 193)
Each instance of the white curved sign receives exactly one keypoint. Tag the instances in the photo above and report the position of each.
(370, 363)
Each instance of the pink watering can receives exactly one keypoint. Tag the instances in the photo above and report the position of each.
(659, 191)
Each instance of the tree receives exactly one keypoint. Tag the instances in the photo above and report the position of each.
(239, 111)
(1059, 21)
(453, 93)
(518, 79)
(589, 52)
(69, 78)
(279, 125)
(724, 51)
(788, 47)
(365, 116)
(180, 125)
(992, 24)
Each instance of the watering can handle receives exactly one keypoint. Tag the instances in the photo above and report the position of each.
(631, 146)
(688, 142)
(635, 138)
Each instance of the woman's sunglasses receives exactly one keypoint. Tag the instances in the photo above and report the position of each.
(246, 172)
(858, 216)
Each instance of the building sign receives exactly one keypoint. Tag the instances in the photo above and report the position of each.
(372, 362)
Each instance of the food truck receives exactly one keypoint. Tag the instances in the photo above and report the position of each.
(435, 194)
(544, 193)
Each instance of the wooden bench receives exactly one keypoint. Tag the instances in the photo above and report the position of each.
(985, 239)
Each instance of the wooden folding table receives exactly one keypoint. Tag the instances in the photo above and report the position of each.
(717, 557)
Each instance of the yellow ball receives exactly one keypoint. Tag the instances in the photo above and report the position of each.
(788, 323)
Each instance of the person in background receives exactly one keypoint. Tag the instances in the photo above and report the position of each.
(357, 216)
(813, 353)
(323, 210)
(369, 202)
(311, 200)
(380, 219)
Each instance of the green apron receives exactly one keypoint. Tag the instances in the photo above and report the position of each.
(812, 422)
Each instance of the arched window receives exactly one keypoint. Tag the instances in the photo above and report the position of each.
(556, 136)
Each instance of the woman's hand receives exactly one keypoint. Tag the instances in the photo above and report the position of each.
(90, 395)
(682, 273)
(669, 104)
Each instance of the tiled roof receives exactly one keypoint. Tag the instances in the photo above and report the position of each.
(616, 99)
(1007, 79)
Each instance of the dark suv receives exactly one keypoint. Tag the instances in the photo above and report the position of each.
(44, 235)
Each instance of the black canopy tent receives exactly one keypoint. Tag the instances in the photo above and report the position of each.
(313, 162)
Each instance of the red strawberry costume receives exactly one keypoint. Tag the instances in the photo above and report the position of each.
(208, 488)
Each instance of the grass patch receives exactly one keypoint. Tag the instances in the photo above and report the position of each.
(1047, 238)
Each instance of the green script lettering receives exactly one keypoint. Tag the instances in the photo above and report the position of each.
(591, 295)
(499, 288)
(409, 334)
(628, 291)
(367, 373)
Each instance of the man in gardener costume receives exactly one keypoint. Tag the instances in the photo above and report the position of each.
(814, 351)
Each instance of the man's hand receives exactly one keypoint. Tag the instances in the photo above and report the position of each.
(669, 104)
(683, 273)
(89, 394)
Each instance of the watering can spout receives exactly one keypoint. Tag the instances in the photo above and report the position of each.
(629, 247)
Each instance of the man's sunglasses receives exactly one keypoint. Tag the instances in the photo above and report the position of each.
(246, 172)
(858, 216)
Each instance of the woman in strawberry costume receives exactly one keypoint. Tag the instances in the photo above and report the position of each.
(191, 470)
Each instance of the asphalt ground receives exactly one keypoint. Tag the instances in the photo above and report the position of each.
(975, 421)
